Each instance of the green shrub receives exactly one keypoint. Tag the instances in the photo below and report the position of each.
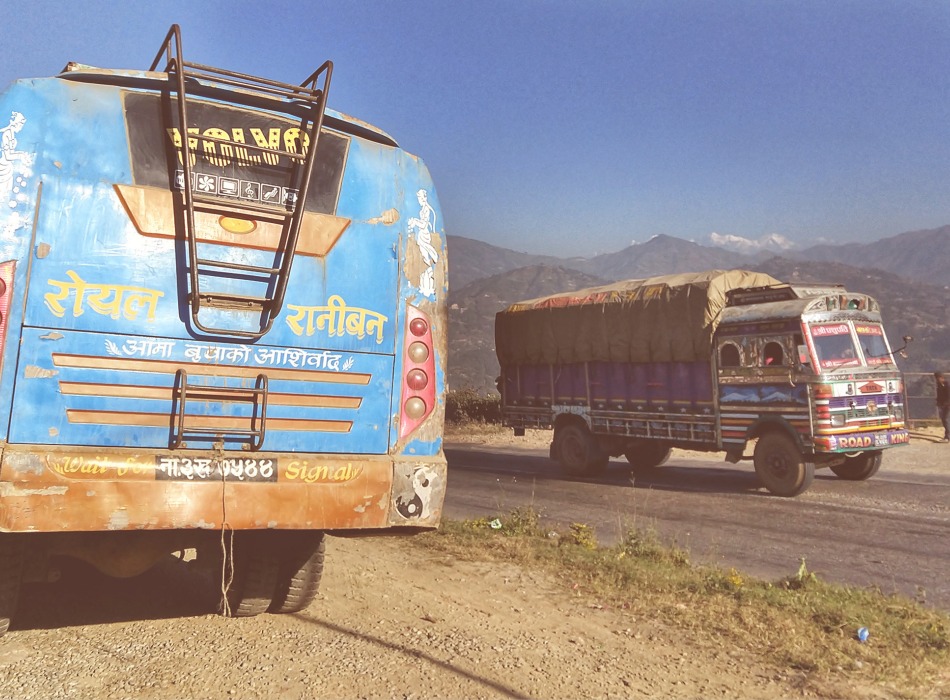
(468, 406)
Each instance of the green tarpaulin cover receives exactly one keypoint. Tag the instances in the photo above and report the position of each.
(670, 318)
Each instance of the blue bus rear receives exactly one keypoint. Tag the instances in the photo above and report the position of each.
(223, 312)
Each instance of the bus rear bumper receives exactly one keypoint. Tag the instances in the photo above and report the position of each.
(45, 489)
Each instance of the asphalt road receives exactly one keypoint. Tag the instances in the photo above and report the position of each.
(892, 531)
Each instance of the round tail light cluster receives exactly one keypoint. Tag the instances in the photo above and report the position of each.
(418, 385)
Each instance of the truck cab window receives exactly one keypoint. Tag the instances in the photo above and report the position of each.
(729, 356)
(834, 347)
(773, 355)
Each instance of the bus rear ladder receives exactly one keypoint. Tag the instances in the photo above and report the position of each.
(306, 102)
(256, 398)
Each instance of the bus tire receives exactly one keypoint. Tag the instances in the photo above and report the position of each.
(780, 465)
(254, 569)
(301, 568)
(11, 575)
(647, 454)
(578, 451)
(859, 467)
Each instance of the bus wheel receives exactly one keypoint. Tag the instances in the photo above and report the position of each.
(578, 451)
(253, 568)
(781, 467)
(647, 454)
(11, 573)
(301, 568)
(859, 467)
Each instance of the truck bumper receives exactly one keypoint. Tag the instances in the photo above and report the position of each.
(852, 442)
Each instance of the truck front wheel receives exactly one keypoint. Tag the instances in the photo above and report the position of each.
(780, 465)
(859, 467)
(578, 452)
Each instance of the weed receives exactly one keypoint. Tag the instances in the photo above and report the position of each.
(646, 545)
(523, 521)
(581, 535)
(802, 578)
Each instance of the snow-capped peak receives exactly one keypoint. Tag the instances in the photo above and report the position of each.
(768, 242)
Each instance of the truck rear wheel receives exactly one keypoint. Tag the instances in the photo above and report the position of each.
(254, 567)
(301, 568)
(578, 452)
(780, 465)
(859, 467)
(11, 574)
(647, 454)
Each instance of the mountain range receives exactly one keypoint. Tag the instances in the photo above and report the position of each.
(909, 274)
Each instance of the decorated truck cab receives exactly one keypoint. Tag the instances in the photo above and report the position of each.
(723, 360)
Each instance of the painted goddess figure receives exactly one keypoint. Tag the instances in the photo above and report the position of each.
(424, 225)
(9, 155)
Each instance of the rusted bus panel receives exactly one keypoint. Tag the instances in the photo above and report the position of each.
(84, 490)
(107, 505)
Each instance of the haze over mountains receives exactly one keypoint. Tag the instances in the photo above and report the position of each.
(909, 274)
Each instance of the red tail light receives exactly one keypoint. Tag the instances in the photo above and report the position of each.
(6, 294)
(418, 380)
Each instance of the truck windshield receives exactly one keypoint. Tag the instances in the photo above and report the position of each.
(834, 345)
(874, 344)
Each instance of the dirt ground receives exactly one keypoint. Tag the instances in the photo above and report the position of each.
(392, 621)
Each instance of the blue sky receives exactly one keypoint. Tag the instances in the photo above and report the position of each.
(576, 127)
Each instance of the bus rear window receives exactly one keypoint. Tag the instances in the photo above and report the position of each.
(228, 169)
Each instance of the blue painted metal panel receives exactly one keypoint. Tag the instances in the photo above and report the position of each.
(98, 273)
(96, 280)
(79, 388)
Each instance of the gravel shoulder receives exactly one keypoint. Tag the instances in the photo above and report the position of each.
(393, 620)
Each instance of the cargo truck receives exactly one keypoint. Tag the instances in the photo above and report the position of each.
(718, 361)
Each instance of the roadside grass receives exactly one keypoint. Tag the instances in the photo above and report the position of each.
(800, 623)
